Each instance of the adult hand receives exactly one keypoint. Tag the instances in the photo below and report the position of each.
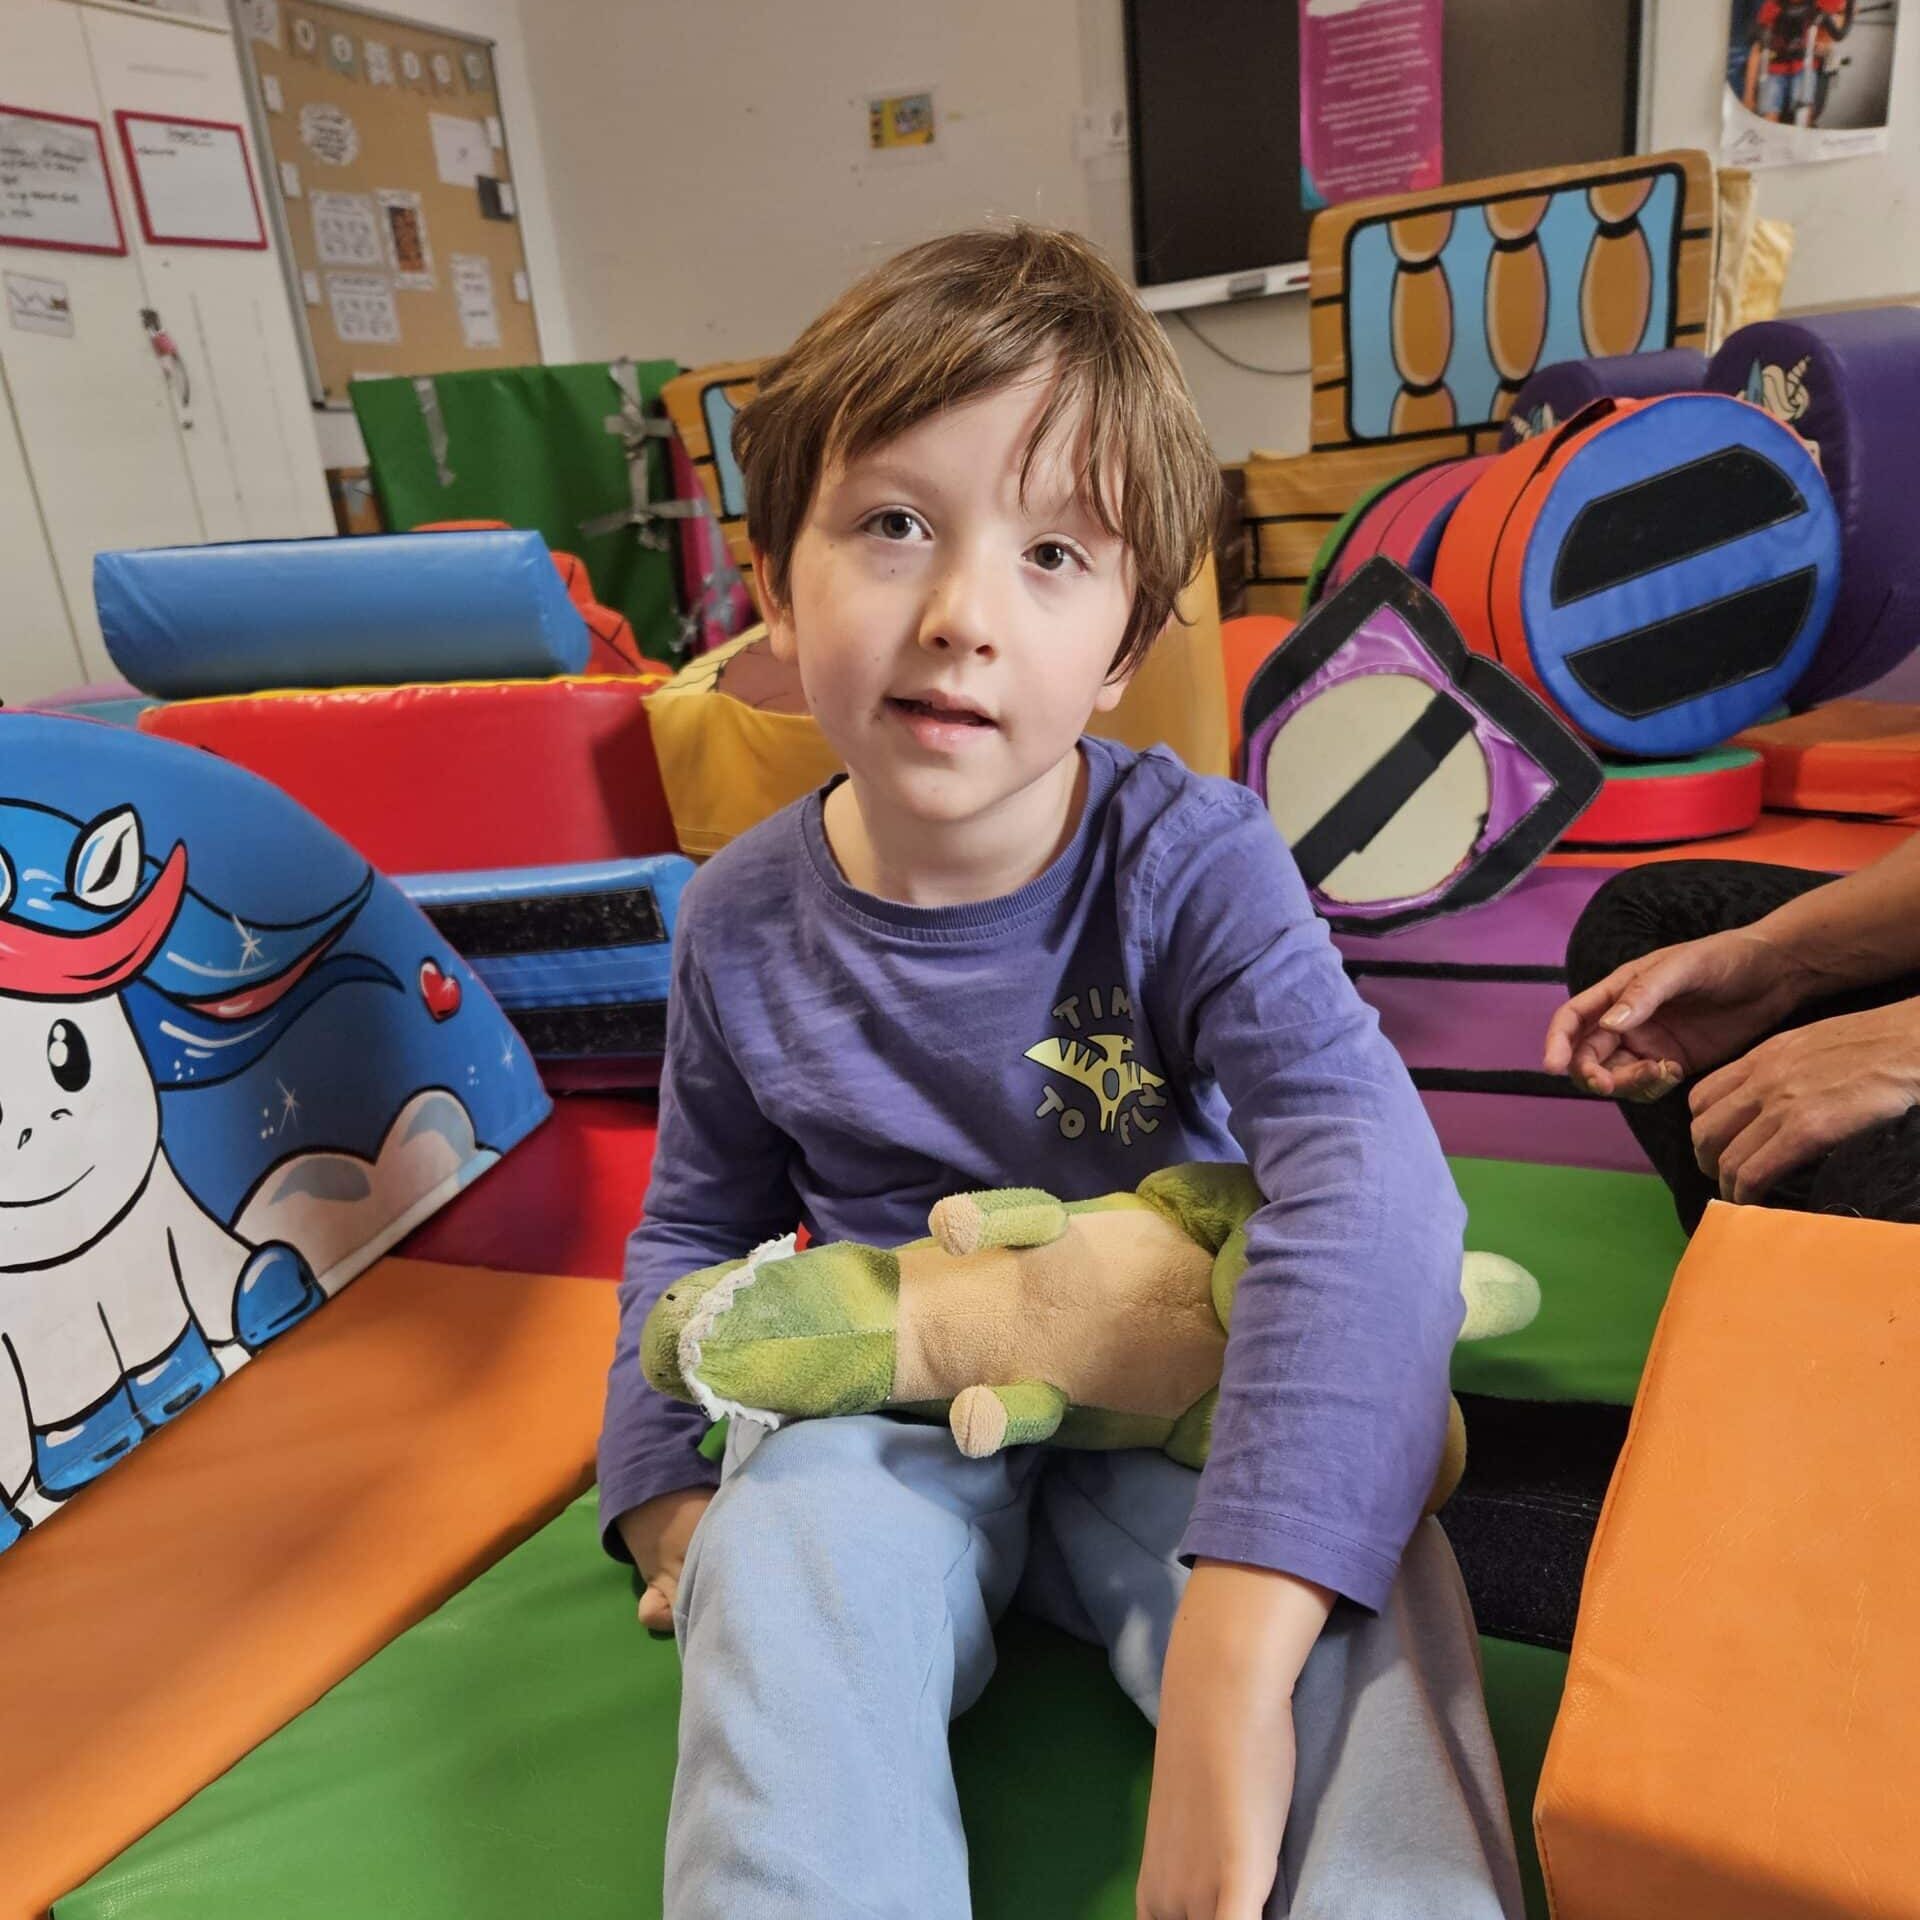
(657, 1534)
(1223, 1755)
(1674, 1013)
(1801, 1093)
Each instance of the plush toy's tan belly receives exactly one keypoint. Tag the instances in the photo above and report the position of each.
(1117, 1313)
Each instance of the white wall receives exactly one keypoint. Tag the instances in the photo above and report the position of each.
(506, 25)
(709, 170)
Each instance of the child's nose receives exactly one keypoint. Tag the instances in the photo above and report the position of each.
(959, 617)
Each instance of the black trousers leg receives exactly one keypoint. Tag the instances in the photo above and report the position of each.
(1876, 1174)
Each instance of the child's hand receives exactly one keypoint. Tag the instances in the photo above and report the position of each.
(1223, 1759)
(657, 1534)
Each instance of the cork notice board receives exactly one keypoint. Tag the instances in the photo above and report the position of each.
(390, 180)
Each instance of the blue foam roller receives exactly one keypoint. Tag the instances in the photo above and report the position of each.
(377, 610)
(579, 956)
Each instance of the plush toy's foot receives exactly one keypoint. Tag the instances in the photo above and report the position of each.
(1453, 1456)
(275, 1289)
(1501, 1296)
(66, 1458)
(985, 1419)
(1191, 1437)
(1007, 1217)
(176, 1380)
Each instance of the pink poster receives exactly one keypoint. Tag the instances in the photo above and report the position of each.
(1369, 98)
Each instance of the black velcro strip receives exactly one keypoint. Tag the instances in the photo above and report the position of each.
(1699, 651)
(1671, 517)
(563, 923)
(1535, 1086)
(586, 1032)
(1358, 815)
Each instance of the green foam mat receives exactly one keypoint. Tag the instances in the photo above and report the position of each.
(1603, 1247)
(513, 1754)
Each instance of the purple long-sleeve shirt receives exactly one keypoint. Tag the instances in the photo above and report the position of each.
(1162, 992)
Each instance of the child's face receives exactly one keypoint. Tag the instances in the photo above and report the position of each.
(952, 638)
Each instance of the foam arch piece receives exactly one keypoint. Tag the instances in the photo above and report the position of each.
(240, 1065)
(1849, 385)
(376, 610)
(1556, 393)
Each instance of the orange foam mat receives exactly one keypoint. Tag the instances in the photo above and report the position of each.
(243, 1560)
(1738, 1739)
(1775, 840)
(1852, 756)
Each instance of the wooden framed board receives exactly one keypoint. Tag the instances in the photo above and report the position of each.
(390, 183)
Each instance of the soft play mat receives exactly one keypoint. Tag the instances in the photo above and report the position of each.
(1431, 310)
(1857, 757)
(1555, 394)
(492, 773)
(1849, 385)
(1738, 1740)
(1409, 777)
(379, 610)
(237, 1066)
(235, 1569)
(578, 956)
(1661, 570)
(514, 1754)
(541, 447)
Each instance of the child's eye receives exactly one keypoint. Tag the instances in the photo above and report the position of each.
(1054, 556)
(895, 523)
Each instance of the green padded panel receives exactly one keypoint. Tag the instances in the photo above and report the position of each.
(529, 445)
(1603, 1247)
(513, 1753)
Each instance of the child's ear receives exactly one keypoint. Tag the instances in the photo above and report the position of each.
(779, 617)
(1112, 692)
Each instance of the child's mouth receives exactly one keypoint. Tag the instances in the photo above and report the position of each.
(927, 713)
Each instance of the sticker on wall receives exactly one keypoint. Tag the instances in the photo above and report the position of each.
(310, 287)
(473, 295)
(379, 58)
(442, 64)
(460, 151)
(289, 180)
(403, 225)
(343, 55)
(270, 93)
(329, 134)
(900, 120)
(363, 310)
(261, 18)
(305, 36)
(413, 71)
(38, 305)
(346, 230)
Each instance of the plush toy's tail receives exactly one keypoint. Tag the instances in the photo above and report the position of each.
(1501, 1296)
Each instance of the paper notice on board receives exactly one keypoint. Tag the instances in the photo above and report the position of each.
(460, 150)
(328, 133)
(346, 230)
(1369, 98)
(473, 295)
(379, 58)
(53, 185)
(403, 224)
(37, 305)
(1806, 80)
(363, 310)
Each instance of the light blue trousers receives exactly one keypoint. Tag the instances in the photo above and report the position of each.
(837, 1610)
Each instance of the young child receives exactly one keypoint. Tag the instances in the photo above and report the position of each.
(997, 953)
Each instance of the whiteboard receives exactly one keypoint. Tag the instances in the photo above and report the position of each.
(191, 181)
(54, 189)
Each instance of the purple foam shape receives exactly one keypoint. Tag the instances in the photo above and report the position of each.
(1526, 927)
(1569, 385)
(1545, 1133)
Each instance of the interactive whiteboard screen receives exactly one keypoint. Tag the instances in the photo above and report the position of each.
(192, 181)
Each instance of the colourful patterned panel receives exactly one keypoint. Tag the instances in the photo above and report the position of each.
(702, 405)
(1430, 310)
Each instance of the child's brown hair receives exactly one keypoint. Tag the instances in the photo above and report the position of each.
(953, 319)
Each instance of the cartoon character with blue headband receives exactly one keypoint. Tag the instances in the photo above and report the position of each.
(116, 981)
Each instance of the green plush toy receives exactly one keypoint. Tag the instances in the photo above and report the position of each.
(1095, 1323)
